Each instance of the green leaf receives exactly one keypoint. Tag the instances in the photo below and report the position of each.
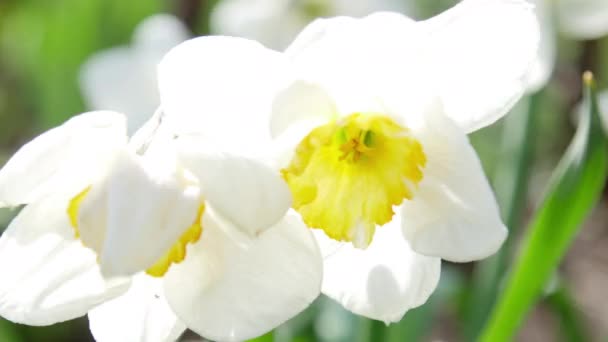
(574, 189)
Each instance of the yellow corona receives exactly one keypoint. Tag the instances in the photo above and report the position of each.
(347, 175)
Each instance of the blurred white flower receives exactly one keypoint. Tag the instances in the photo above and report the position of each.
(123, 78)
(275, 23)
(376, 122)
(575, 19)
(582, 19)
(192, 213)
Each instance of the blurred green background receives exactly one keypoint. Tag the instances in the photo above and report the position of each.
(44, 43)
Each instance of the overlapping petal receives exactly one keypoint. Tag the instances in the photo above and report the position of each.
(481, 60)
(381, 282)
(222, 88)
(230, 291)
(366, 65)
(65, 157)
(249, 193)
(454, 214)
(48, 276)
(140, 315)
(141, 211)
(299, 102)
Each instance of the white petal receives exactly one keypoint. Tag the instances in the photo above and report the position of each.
(258, 20)
(381, 282)
(141, 140)
(366, 64)
(545, 60)
(65, 157)
(141, 314)
(47, 275)
(481, 59)
(225, 291)
(454, 214)
(146, 211)
(222, 88)
(249, 193)
(300, 101)
(296, 111)
(583, 19)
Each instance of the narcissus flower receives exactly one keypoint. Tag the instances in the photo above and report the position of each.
(380, 162)
(192, 215)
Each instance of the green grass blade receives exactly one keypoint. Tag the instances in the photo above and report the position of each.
(573, 191)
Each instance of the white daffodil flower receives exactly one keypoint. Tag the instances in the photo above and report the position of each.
(192, 214)
(378, 159)
(123, 78)
(275, 23)
(173, 214)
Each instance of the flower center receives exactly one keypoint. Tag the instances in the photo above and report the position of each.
(175, 254)
(347, 175)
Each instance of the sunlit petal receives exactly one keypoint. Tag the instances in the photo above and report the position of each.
(230, 292)
(141, 314)
(48, 276)
(65, 157)
(454, 214)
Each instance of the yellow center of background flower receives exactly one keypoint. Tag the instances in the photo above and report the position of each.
(347, 175)
(175, 254)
